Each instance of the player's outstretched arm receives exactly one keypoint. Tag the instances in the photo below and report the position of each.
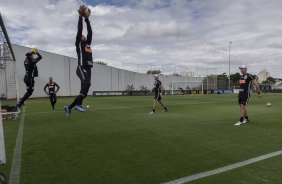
(89, 31)
(79, 31)
(78, 35)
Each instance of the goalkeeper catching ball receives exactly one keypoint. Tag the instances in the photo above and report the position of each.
(31, 72)
(85, 62)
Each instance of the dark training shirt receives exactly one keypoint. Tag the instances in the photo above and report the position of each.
(157, 84)
(51, 87)
(246, 82)
(30, 66)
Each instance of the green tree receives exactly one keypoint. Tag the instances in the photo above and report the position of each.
(271, 79)
(223, 77)
(130, 88)
(235, 77)
(154, 72)
(143, 88)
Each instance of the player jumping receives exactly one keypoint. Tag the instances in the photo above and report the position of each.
(31, 72)
(85, 62)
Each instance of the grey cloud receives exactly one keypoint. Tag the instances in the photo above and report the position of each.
(275, 46)
(149, 30)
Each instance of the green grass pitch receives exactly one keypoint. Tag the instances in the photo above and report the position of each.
(116, 141)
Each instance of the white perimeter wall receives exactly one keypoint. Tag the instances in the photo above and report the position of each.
(63, 71)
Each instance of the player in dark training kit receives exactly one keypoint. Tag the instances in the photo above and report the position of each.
(245, 81)
(31, 72)
(52, 91)
(158, 90)
(85, 62)
(181, 90)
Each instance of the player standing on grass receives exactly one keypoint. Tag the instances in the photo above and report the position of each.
(245, 81)
(52, 92)
(85, 62)
(31, 72)
(158, 90)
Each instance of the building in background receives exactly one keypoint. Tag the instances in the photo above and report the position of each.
(263, 75)
(187, 73)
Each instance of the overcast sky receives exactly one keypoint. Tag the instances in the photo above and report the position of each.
(186, 33)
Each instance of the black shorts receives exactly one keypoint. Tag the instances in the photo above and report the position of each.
(84, 74)
(52, 95)
(158, 96)
(243, 98)
(29, 82)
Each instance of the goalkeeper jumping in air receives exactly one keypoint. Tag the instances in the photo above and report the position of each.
(31, 72)
(85, 62)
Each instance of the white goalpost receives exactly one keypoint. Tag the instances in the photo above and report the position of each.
(8, 88)
(8, 79)
(2, 143)
(190, 87)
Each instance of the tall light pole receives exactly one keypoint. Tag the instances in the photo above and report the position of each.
(229, 62)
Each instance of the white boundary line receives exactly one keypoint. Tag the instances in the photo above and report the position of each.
(16, 163)
(224, 169)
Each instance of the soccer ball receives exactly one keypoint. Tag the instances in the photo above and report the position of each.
(34, 50)
(87, 12)
(87, 106)
(268, 104)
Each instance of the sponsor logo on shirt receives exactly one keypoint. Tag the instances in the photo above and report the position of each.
(242, 81)
(88, 49)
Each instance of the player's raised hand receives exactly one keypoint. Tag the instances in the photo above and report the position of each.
(81, 10)
(34, 50)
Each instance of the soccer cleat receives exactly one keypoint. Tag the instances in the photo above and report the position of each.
(238, 123)
(165, 110)
(19, 105)
(245, 121)
(68, 111)
(152, 112)
(80, 108)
